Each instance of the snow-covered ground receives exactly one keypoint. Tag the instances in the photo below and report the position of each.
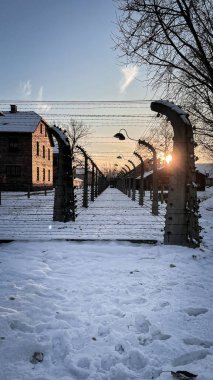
(106, 310)
(112, 216)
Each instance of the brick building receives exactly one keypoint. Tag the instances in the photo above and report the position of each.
(26, 158)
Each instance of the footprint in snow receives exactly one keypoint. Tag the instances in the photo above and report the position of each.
(103, 330)
(21, 326)
(198, 342)
(157, 335)
(195, 311)
(142, 324)
(190, 357)
(161, 306)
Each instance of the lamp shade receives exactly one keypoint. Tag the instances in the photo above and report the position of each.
(119, 136)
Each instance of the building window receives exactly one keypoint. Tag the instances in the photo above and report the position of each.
(43, 151)
(41, 128)
(13, 171)
(13, 145)
(48, 175)
(37, 148)
(37, 174)
(48, 154)
(45, 131)
(43, 175)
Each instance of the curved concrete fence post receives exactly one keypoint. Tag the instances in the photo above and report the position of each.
(64, 199)
(155, 176)
(133, 179)
(182, 208)
(141, 187)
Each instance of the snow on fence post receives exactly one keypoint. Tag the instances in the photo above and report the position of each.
(181, 226)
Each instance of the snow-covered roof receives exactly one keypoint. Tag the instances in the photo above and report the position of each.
(206, 169)
(81, 170)
(19, 121)
(78, 179)
(146, 174)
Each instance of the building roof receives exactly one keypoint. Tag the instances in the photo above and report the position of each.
(20, 121)
(206, 169)
(80, 171)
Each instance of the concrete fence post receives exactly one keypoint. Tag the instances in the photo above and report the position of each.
(181, 226)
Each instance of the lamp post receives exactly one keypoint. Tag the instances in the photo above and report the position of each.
(141, 188)
(121, 136)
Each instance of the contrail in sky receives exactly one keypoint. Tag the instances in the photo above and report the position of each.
(129, 74)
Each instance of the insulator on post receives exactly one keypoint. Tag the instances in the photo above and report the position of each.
(194, 241)
(194, 185)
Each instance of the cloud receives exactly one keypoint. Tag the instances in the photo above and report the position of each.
(26, 88)
(42, 107)
(129, 74)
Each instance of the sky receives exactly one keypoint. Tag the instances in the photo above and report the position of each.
(63, 50)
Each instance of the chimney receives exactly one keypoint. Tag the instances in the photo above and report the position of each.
(13, 108)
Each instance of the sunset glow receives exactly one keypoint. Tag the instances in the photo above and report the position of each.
(168, 158)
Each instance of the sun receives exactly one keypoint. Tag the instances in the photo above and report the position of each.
(168, 158)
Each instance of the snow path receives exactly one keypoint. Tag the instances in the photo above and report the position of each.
(104, 311)
(113, 216)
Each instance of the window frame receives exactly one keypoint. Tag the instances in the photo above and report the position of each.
(13, 171)
(37, 148)
(37, 174)
(13, 145)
